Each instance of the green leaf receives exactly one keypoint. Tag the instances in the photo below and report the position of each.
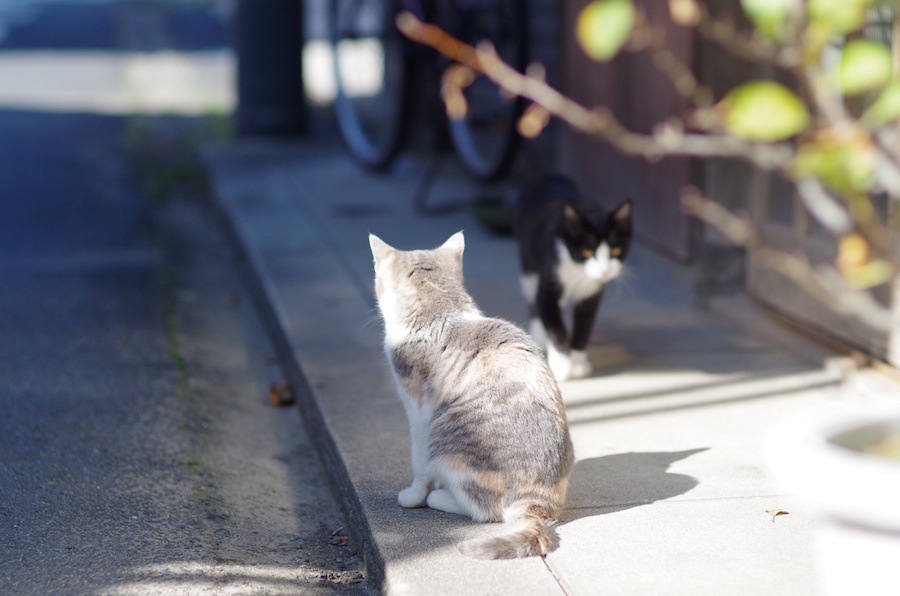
(885, 108)
(865, 66)
(763, 111)
(870, 275)
(843, 159)
(837, 16)
(603, 27)
(768, 16)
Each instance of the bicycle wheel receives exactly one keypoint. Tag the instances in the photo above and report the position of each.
(485, 138)
(370, 68)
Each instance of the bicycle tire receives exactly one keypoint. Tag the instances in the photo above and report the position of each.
(486, 138)
(371, 76)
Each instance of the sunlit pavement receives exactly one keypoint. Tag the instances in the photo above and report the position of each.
(110, 57)
(118, 82)
(669, 494)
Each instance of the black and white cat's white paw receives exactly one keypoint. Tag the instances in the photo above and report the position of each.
(581, 366)
(573, 364)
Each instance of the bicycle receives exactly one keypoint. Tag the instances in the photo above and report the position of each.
(378, 72)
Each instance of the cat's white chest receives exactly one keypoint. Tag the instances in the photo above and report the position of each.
(585, 279)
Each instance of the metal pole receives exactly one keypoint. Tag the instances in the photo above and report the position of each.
(269, 36)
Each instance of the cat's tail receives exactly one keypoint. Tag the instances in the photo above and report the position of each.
(529, 533)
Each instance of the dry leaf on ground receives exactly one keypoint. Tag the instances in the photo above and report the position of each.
(281, 394)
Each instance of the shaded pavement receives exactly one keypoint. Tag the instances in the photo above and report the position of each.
(137, 451)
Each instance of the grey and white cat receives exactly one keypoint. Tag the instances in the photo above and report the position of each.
(569, 249)
(489, 433)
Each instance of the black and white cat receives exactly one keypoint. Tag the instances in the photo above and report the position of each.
(569, 249)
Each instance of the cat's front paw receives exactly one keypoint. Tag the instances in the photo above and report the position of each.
(560, 363)
(581, 366)
(412, 496)
(443, 500)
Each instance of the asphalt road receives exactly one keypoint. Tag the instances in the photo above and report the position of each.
(138, 453)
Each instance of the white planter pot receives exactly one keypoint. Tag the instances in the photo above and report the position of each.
(821, 459)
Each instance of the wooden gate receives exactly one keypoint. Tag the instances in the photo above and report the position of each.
(640, 97)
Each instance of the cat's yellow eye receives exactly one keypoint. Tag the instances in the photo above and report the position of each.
(587, 253)
(615, 252)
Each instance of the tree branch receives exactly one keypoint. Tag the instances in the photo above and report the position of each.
(599, 122)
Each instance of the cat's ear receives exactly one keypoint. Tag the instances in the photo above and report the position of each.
(380, 248)
(456, 244)
(621, 217)
(573, 225)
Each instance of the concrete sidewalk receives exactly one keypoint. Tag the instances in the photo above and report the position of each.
(668, 495)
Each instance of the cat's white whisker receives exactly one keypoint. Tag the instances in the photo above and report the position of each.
(371, 321)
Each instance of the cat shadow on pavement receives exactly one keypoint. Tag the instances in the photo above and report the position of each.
(624, 480)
